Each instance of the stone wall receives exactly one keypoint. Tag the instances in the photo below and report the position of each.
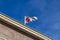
(7, 33)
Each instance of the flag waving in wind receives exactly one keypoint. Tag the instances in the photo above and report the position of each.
(28, 19)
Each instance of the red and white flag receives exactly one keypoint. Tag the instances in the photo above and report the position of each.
(28, 19)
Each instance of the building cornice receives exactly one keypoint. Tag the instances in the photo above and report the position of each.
(22, 27)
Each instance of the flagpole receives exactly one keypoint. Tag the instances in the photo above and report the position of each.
(24, 20)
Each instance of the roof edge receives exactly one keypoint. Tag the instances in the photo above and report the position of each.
(23, 27)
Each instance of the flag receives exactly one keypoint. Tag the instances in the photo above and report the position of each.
(28, 19)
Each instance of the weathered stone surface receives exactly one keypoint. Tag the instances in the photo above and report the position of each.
(7, 33)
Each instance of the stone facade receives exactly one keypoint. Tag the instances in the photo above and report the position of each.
(7, 33)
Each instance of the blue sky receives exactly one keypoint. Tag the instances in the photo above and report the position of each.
(47, 11)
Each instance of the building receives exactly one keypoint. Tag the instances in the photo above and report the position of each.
(11, 29)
